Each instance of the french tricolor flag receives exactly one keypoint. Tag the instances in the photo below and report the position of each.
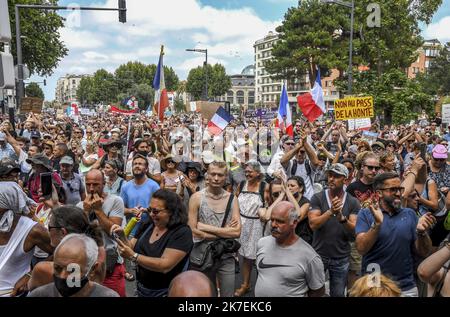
(161, 98)
(284, 118)
(311, 103)
(219, 121)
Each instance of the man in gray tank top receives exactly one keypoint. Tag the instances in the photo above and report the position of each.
(206, 212)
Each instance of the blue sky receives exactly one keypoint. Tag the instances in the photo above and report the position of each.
(228, 28)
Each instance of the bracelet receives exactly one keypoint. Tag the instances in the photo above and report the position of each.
(28, 274)
(411, 172)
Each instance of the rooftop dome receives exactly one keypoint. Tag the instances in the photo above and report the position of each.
(249, 70)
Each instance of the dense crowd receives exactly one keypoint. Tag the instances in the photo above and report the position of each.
(90, 202)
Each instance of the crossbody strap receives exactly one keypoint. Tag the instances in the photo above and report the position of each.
(227, 211)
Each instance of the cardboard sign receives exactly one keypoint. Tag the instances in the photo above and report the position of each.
(206, 108)
(446, 113)
(359, 124)
(353, 108)
(31, 104)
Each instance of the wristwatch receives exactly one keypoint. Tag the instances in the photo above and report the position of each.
(134, 258)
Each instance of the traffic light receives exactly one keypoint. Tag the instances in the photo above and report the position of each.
(122, 11)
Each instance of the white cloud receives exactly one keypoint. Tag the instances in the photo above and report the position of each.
(188, 64)
(439, 30)
(80, 39)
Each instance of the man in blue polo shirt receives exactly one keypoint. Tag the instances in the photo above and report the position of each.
(387, 234)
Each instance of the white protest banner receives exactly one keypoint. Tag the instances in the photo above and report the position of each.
(446, 113)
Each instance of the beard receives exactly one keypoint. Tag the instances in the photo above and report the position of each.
(394, 203)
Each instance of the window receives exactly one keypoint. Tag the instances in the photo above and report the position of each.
(240, 97)
(334, 93)
(230, 97)
(251, 97)
(74, 82)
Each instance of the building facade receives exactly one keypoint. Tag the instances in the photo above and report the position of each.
(426, 54)
(66, 88)
(242, 91)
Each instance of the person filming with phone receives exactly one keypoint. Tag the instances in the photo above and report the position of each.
(41, 169)
(161, 246)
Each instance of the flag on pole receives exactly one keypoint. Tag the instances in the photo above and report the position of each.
(311, 103)
(219, 121)
(161, 98)
(284, 118)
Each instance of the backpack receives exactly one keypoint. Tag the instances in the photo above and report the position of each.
(262, 187)
(307, 167)
(442, 209)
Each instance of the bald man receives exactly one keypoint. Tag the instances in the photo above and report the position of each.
(191, 284)
(108, 210)
(75, 261)
(287, 265)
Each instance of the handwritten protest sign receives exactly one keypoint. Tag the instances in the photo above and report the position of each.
(353, 108)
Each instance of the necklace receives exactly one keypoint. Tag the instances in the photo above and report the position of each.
(212, 196)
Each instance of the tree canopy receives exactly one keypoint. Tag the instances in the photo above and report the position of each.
(218, 81)
(34, 90)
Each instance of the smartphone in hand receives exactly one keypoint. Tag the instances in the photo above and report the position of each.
(46, 185)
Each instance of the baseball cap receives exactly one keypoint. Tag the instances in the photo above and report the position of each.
(439, 152)
(8, 165)
(66, 160)
(35, 135)
(115, 130)
(339, 169)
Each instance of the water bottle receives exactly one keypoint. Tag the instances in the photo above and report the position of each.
(130, 226)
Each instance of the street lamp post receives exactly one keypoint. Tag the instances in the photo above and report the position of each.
(350, 5)
(205, 66)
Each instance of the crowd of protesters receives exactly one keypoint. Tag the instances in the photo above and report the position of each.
(325, 212)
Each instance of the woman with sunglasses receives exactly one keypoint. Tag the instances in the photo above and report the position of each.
(172, 179)
(279, 191)
(161, 246)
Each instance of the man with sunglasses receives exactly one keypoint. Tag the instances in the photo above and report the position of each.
(301, 165)
(72, 182)
(332, 217)
(362, 189)
(387, 234)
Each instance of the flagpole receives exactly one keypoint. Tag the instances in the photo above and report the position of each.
(161, 70)
(126, 146)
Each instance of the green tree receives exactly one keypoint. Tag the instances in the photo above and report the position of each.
(85, 91)
(171, 79)
(133, 73)
(136, 73)
(42, 46)
(104, 87)
(309, 37)
(318, 34)
(218, 81)
(397, 98)
(144, 94)
(34, 90)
